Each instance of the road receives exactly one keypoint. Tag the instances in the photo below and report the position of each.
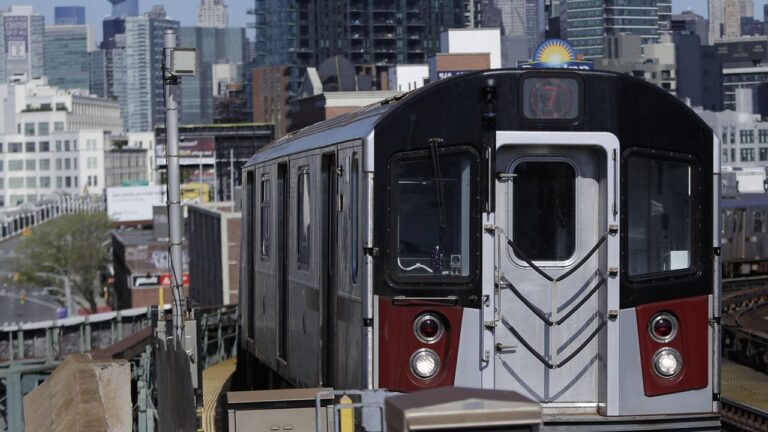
(35, 307)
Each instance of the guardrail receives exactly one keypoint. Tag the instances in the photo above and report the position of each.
(14, 221)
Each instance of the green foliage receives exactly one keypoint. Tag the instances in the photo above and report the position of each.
(71, 246)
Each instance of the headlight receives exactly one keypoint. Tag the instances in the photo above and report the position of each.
(428, 328)
(663, 327)
(425, 363)
(667, 362)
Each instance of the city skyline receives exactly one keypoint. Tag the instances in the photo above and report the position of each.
(97, 10)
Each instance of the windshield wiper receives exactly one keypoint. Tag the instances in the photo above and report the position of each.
(438, 178)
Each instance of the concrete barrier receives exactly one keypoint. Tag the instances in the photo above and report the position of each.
(82, 395)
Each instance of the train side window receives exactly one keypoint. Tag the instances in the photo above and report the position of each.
(432, 230)
(659, 215)
(354, 211)
(544, 210)
(759, 227)
(303, 216)
(265, 206)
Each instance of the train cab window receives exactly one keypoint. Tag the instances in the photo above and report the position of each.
(303, 216)
(544, 210)
(432, 232)
(265, 205)
(659, 215)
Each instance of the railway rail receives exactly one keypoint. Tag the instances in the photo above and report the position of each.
(736, 416)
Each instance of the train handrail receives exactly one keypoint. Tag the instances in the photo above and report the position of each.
(539, 313)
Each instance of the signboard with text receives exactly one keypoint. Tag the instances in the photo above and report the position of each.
(16, 35)
(555, 54)
(192, 151)
(156, 280)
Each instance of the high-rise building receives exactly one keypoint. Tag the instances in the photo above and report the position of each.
(69, 15)
(724, 19)
(691, 23)
(586, 24)
(22, 43)
(664, 13)
(213, 45)
(66, 56)
(212, 13)
(143, 57)
(125, 8)
(97, 73)
(515, 18)
(747, 8)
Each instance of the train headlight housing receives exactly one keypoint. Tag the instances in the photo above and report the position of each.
(663, 327)
(667, 362)
(428, 328)
(425, 363)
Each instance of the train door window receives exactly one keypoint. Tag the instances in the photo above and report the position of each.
(660, 215)
(544, 210)
(303, 216)
(354, 187)
(434, 207)
(265, 206)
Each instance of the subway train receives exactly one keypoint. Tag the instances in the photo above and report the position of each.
(549, 232)
(744, 234)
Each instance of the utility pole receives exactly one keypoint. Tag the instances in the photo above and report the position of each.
(170, 88)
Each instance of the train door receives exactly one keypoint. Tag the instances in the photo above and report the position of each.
(332, 199)
(556, 218)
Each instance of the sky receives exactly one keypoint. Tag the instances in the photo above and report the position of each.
(185, 11)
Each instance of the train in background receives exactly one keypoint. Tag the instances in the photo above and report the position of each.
(744, 234)
(550, 232)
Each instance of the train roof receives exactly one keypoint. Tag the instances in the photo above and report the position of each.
(344, 128)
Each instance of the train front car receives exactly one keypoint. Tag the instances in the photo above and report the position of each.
(552, 233)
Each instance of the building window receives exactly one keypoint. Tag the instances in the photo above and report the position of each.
(45, 164)
(16, 182)
(58, 165)
(45, 146)
(15, 165)
(30, 164)
(2, 183)
(58, 146)
(762, 136)
(66, 145)
(42, 129)
(747, 155)
(31, 182)
(45, 182)
(29, 129)
(29, 147)
(58, 126)
(763, 154)
(746, 136)
(725, 155)
(733, 155)
(14, 147)
(95, 180)
(303, 217)
(59, 183)
(68, 181)
(16, 200)
(67, 164)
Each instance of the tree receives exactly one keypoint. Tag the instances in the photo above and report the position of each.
(70, 246)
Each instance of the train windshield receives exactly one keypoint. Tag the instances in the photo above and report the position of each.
(660, 212)
(433, 215)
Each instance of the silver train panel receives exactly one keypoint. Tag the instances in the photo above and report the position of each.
(632, 399)
(586, 336)
(468, 361)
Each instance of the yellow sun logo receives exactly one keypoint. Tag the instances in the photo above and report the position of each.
(554, 51)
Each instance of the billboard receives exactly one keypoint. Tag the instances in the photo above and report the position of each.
(555, 54)
(192, 151)
(16, 35)
(133, 203)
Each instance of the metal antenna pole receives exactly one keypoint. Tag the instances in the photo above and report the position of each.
(231, 175)
(170, 86)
